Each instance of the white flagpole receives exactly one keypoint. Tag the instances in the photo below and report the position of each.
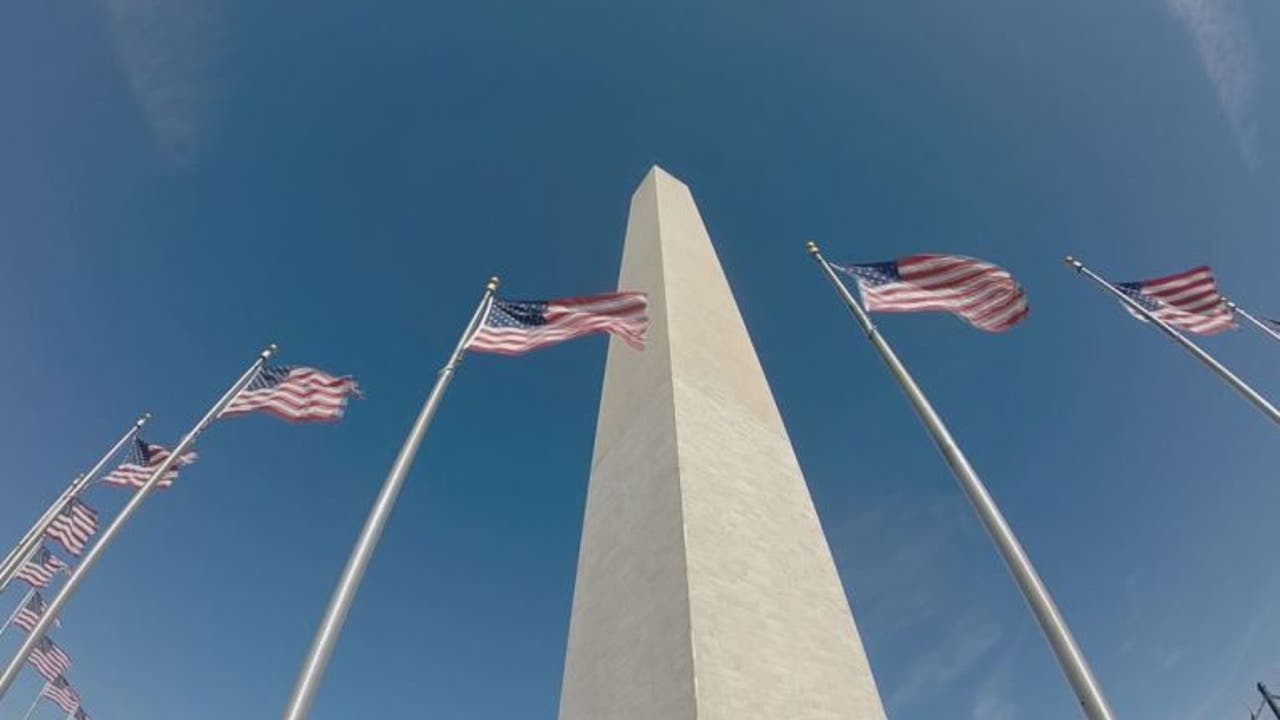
(335, 616)
(1070, 658)
(91, 558)
(21, 604)
(1227, 376)
(39, 695)
(1260, 325)
(35, 535)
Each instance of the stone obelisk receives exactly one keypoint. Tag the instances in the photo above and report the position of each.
(706, 589)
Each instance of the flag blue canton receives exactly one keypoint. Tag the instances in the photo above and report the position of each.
(269, 377)
(883, 273)
(517, 314)
(1134, 291)
(139, 453)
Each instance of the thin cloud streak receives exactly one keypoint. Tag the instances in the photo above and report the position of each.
(954, 656)
(992, 701)
(1226, 48)
(916, 585)
(169, 52)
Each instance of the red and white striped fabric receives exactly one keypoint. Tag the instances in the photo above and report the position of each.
(145, 458)
(295, 394)
(30, 613)
(73, 526)
(49, 660)
(40, 570)
(513, 327)
(983, 295)
(60, 693)
(1188, 301)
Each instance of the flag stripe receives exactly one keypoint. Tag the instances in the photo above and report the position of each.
(60, 693)
(143, 460)
(295, 394)
(1187, 301)
(73, 526)
(983, 295)
(49, 659)
(512, 327)
(30, 613)
(40, 570)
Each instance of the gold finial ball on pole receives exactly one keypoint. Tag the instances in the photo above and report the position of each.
(492, 284)
(811, 247)
(1073, 263)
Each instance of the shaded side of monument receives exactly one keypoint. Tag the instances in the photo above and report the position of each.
(705, 585)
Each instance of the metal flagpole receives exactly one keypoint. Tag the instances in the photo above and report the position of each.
(335, 616)
(1261, 325)
(1239, 385)
(32, 539)
(39, 695)
(21, 604)
(1070, 658)
(91, 558)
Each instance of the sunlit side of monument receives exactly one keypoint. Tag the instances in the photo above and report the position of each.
(705, 585)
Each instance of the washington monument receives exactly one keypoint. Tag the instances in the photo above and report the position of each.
(705, 588)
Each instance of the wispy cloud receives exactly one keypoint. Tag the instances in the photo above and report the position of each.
(913, 574)
(950, 659)
(1228, 691)
(909, 544)
(169, 51)
(992, 701)
(1226, 48)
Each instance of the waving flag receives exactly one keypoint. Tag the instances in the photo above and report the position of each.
(295, 394)
(60, 692)
(30, 613)
(982, 294)
(40, 569)
(73, 526)
(49, 660)
(512, 327)
(144, 459)
(1187, 301)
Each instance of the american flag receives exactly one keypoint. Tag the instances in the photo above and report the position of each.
(49, 660)
(296, 394)
(983, 295)
(513, 327)
(62, 694)
(73, 526)
(30, 613)
(40, 569)
(145, 458)
(1188, 301)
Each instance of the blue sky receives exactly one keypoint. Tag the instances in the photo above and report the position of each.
(184, 182)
